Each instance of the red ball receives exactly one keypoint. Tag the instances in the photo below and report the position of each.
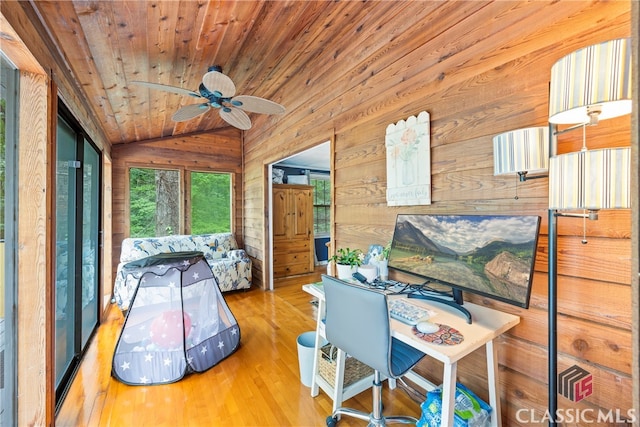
(167, 329)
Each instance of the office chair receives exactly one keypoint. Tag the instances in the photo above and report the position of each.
(357, 322)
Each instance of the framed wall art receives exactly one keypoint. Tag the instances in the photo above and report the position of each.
(408, 145)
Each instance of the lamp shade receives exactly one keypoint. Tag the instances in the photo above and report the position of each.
(521, 150)
(590, 179)
(595, 78)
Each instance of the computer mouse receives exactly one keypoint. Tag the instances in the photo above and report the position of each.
(427, 327)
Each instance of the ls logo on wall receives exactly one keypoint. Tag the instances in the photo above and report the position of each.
(575, 383)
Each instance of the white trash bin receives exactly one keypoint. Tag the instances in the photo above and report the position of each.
(306, 348)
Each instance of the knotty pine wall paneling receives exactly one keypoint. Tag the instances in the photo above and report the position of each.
(487, 74)
(635, 208)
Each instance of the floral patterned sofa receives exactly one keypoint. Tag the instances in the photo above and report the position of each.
(230, 265)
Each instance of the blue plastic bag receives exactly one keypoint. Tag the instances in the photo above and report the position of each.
(470, 410)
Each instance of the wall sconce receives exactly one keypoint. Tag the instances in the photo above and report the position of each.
(522, 152)
(588, 85)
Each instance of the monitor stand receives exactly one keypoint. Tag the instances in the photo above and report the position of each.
(452, 300)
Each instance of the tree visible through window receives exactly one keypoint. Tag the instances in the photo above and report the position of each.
(155, 207)
(321, 205)
(154, 202)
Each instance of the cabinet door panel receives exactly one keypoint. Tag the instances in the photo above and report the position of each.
(280, 212)
(302, 220)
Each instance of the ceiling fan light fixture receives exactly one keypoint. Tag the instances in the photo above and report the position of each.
(219, 90)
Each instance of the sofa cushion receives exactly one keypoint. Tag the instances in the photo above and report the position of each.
(230, 265)
(214, 246)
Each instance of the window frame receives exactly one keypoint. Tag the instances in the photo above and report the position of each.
(321, 177)
(184, 193)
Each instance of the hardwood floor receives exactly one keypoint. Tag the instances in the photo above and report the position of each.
(258, 385)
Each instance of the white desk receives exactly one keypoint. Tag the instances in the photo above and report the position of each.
(487, 325)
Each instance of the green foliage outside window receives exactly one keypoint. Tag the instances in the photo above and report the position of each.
(210, 202)
(142, 202)
(321, 206)
(210, 195)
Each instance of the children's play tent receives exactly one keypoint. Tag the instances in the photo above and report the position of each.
(178, 322)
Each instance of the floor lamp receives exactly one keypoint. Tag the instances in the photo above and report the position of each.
(588, 85)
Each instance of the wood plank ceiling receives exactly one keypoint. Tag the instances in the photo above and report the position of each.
(261, 45)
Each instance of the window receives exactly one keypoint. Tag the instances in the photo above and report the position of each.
(154, 202)
(321, 204)
(155, 207)
(210, 202)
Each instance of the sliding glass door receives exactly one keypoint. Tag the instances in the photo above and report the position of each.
(77, 248)
(8, 199)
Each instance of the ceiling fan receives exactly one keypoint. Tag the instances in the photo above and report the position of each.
(218, 90)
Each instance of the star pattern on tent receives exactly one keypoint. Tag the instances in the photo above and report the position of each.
(141, 367)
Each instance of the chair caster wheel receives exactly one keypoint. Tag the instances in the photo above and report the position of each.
(332, 421)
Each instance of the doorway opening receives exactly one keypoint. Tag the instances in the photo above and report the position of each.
(305, 175)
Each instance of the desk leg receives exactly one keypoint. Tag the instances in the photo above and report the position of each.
(319, 339)
(492, 377)
(339, 380)
(448, 393)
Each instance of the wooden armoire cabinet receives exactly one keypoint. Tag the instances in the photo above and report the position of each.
(293, 247)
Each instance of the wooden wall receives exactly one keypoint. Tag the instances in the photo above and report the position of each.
(44, 78)
(219, 152)
(635, 228)
(486, 75)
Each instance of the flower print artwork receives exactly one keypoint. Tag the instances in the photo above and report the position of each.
(408, 145)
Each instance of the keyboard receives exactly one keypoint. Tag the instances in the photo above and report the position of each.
(406, 312)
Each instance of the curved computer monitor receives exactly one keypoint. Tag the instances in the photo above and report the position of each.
(489, 255)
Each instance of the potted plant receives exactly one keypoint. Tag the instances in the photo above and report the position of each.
(347, 262)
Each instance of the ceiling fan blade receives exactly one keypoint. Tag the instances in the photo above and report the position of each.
(236, 117)
(168, 88)
(255, 104)
(189, 112)
(215, 81)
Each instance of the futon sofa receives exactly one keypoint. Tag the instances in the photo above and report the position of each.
(229, 264)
